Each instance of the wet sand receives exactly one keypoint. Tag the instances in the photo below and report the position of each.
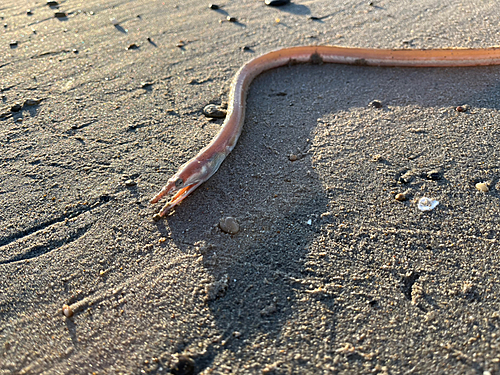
(328, 274)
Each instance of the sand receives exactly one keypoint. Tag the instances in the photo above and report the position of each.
(329, 273)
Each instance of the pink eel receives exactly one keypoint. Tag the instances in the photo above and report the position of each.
(202, 166)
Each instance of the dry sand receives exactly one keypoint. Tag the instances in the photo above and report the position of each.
(328, 274)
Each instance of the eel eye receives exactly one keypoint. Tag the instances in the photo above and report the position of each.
(178, 182)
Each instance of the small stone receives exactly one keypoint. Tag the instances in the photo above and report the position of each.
(114, 21)
(231, 19)
(433, 175)
(213, 6)
(481, 186)
(183, 366)
(229, 225)
(60, 15)
(31, 102)
(13, 43)
(400, 197)
(52, 3)
(29, 12)
(132, 46)
(214, 111)
(130, 183)
(461, 108)
(16, 107)
(376, 104)
(277, 3)
(293, 157)
(67, 311)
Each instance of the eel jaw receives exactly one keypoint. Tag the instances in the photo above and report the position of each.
(176, 199)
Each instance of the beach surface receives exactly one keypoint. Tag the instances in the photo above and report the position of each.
(329, 273)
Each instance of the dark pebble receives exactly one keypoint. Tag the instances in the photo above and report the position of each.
(13, 44)
(183, 366)
(277, 3)
(433, 175)
(214, 111)
(29, 12)
(213, 6)
(376, 104)
(52, 3)
(75, 50)
(130, 183)
(231, 19)
(60, 15)
(246, 48)
(132, 46)
(461, 108)
(16, 107)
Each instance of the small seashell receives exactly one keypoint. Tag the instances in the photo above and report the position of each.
(67, 311)
(427, 204)
(481, 186)
(229, 225)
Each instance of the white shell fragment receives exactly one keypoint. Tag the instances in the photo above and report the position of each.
(427, 204)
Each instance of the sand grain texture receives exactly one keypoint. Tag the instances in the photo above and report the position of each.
(328, 274)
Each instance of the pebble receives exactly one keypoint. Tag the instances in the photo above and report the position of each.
(376, 104)
(60, 15)
(132, 46)
(29, 12)
(13, 43)
(293, 157)
(400, 197)
(130, 183)
(16, 107)
(52, 3)
(481, 186)
(213, 6)
(67, 311)
(433, 175)
(231, 19)
(214, 111)
(229, 225)
(276, 3)
(461, 108)
(31, 102)
(183, 366)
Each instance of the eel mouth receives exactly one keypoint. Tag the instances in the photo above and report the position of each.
(176, 199)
